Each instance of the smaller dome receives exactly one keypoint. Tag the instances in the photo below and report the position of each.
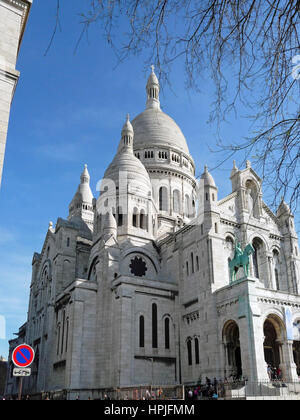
(126, 164)
(207, 178)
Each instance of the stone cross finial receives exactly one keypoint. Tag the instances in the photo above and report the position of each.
(152, 68)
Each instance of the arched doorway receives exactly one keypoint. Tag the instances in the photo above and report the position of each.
(233, 359)
(271, 346)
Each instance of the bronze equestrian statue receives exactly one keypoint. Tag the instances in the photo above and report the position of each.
(240, 259)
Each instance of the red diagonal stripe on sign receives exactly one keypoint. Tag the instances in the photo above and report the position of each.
(19, 351)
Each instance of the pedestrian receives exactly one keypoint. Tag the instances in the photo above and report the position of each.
(269, 370)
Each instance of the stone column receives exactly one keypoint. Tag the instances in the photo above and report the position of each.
(288, 366)
(251, 335)
(271, 272)
(224, 358)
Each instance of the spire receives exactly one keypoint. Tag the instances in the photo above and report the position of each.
(153, 91)
(110, 224)
(234, 169)
(85, 176)
(82, 203)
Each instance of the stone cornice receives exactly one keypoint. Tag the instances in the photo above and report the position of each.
(24, 6)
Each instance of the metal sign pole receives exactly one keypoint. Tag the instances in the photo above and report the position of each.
(20, 388)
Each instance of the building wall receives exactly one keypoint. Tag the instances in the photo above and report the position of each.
(13, 18)
(3, 373)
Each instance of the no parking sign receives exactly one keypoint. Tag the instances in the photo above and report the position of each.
(23, 356)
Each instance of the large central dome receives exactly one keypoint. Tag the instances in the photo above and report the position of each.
(155, 128)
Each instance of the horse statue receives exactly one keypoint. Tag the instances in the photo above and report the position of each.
(241, 259)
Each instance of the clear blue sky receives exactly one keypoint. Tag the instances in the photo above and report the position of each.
(69, 110)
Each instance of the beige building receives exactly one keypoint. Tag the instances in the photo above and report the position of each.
(13, 19)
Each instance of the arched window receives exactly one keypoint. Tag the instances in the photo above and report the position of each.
(192, 263)
(163, 199)
(187, 206)
(277, 279)
(197, 359)
(67, 333)
(120, 216)
(63, 332)
(189, 352)
(167, 333)
(176, 201)
(187, 268)
(143, 220)
(257, 243)
(142, 331)
(276, 268)
(154, 326)
(135, 217)
(58, 339)
(197, 263)
(255, 262)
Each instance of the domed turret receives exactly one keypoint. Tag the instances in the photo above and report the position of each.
(126, 166)
(207, 193)
(126, 193)
(207, 178)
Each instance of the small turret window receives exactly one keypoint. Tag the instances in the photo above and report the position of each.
(163, 155)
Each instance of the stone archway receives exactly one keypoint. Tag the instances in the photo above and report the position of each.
(279, 348)
(233, 359)
(271, 343)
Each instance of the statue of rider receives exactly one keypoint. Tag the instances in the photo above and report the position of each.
(238, 250)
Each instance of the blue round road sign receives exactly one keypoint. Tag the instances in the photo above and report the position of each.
(23, 356)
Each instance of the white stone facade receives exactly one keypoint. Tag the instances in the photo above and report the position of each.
(134, 288)
(13, 19)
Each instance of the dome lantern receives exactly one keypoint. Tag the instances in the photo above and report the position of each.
(153, 91)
